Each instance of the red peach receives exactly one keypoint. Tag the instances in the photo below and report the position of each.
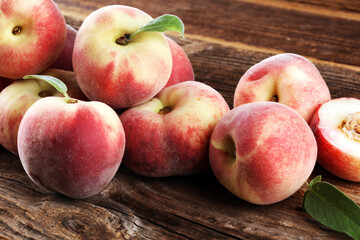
(170, 134)
(64, 61)
(336, 128)
(286, 78)
(262, 152)
(182, 69)
(71, 148)
(120, 75)
(33, 34)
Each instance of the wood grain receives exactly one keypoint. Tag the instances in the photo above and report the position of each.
(131, 206)
(223, 39)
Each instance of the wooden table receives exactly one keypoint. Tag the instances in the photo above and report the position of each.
(223, 39)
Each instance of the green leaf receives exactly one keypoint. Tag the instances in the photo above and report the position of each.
(315, 180)
(333, 208)
(163, 23)
(53, 81)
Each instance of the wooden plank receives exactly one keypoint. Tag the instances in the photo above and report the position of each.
(336, 5)
(28, 212)
(193, 207)
(347, 9)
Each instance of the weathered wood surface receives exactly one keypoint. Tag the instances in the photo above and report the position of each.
(223, 39)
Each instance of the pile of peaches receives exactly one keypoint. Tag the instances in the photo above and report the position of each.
(138, 103)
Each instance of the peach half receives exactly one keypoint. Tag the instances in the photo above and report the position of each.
(336, 126)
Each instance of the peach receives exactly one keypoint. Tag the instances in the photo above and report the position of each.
(182, 69)
(286, 78)
(120, 75)
(64, 61)
(262, 152)
(337, 132)
(74, 148)
(33, 34)
(169, 135)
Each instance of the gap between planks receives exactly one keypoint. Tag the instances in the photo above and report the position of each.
(288, 5)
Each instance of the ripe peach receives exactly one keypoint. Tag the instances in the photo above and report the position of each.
(286, 78)
(182, 69)
(64, 61)
(337, 132)
(262, 152)
(33, 34)
(120, 75)
(170, 134)
(74, 148)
